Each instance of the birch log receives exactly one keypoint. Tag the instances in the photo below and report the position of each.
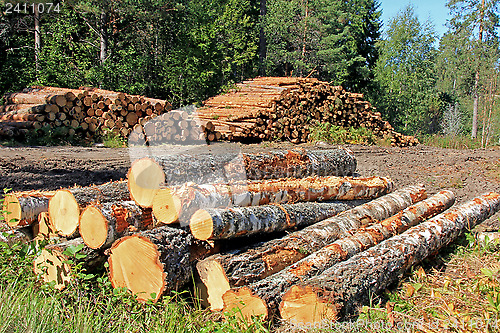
(154, 262)
(65, 205)
(340, 290)
(235, 222)
(102, 224)
(22, 208)
(147, 175)
(220, 272)
(181, 202)
(53, 264)
(263, 297)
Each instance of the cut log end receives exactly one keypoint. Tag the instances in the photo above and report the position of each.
(144, 179)
(52, 268)
(12, 210)
(244, 304)
(212, 275)
(93, 227)
(131, 255)
(166, 206)
(201, 225)
(64, 213)
(301, 305)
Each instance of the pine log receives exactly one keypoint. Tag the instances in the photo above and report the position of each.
(339, 291)
(54, 264)
(269, 291)
(43, 228)
(154, 262)
(221, 272)
(146, 175)
(181, 202)
(235, 222)
(103, 223)
(22, 208)
(65, 205)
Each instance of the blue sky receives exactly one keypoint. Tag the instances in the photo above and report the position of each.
(436, 10)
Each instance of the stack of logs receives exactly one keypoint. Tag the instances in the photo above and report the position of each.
(87, 111)
(285, 109)
(307, 249)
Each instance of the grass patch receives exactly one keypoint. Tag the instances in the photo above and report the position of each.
(450, 141)
(339, 135)
(112, 140)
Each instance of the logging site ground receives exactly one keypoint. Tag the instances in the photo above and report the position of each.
(456, 289)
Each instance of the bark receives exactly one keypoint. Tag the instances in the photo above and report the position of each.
(102, 224)
(340, 290)
(191, 197)
(151, 263)
(38, 44)
(147, 175)
(65, 205)
(237, 222)
(54, 264)
(103, 38)
(237, 269)
(262, 38)
(270, 290)
(22, 208)
(16, 236)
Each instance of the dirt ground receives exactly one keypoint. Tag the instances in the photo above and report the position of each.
(466, 172)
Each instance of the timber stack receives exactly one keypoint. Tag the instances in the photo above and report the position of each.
(302, 239)
(286, 109)
(87, 111)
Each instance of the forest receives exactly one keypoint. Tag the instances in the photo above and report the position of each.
(185, 51)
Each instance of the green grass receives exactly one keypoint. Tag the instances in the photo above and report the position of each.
(112, 140)
(451, 142)
(339, 135)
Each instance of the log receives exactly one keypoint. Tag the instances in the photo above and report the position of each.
(53, 264)
(43, 229)
(181, 202)
(22, 235)
(102, 224)
(340, 290)
(146, 175)
(235, 222)
(269, 291)
(65, 205)
(22, 208)
(152, 262)
(221, 272)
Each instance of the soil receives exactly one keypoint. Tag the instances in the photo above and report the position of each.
(467, 173)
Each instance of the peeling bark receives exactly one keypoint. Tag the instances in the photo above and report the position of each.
(65, 205)
(342, 288)
(102, 224)
(237, 269)
(271, 289)
(147, 175)
(238, 222)
(190, 197)
(22, 208)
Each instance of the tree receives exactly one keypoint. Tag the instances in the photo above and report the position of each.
(479, 19)
(405, 73)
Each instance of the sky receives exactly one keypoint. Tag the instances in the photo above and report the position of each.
(436, 10)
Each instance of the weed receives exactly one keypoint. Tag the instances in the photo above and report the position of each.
(340, 135)
(112, 140)
(450, 141)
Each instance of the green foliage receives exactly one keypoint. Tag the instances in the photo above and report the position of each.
(113, 140)
(405, 73)
(338, 135)
(450, 141)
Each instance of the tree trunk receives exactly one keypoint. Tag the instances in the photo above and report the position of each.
(181, 202)
(340, 290)
(22, 208)
(102, 224)
(222, 271)
(476, 79)
(270, 290)
(262, 38)
(238, 222)
(53, 264)
(146, 175)
(103, 38)
(65, 205)
(38, 44)
(15, 236)
(154, 262)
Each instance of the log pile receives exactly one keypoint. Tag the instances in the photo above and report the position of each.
(277, 248)
(285, 109)
(85, 111)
